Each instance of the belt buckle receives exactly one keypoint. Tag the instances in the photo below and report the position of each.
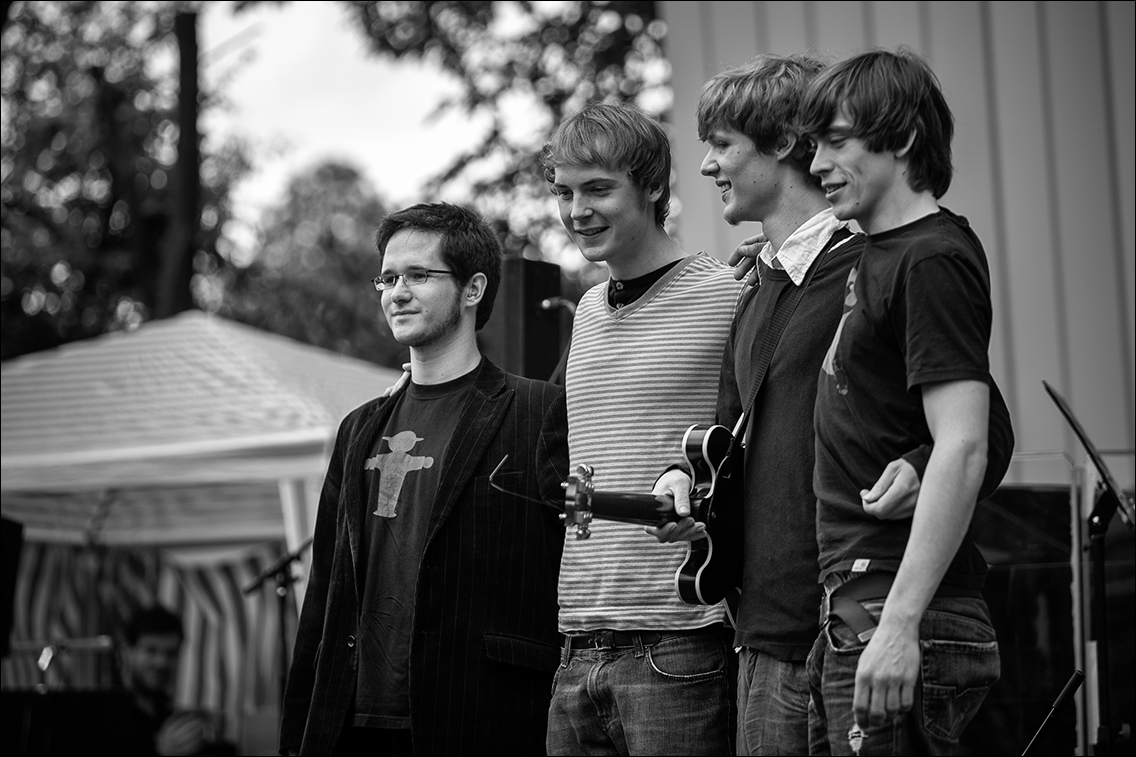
(603, 639)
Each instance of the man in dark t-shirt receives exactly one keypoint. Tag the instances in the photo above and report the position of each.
(907, 652)
(429, 621)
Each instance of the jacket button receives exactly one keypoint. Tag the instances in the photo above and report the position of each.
(350, 641)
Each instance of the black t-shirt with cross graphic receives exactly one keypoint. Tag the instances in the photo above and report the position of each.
(401, 477)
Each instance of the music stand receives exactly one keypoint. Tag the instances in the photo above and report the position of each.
(1110, 499)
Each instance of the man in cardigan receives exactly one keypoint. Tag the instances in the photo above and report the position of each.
(641, 672)
(761, 166)
(428, 626)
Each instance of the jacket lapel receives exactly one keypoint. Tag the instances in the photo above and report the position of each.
(355, 509)
(481, 417)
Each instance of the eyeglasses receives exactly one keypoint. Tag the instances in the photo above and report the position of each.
(412, 278)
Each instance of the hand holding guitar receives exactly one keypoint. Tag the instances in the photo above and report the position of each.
(709, 573)
(676, 484)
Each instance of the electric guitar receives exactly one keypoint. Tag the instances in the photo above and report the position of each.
(712, 569)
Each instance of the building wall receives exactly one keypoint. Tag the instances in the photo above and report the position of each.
(1043, 97)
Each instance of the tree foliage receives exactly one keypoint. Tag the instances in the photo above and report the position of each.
(90, 140)
(311, 277)
(523, 67)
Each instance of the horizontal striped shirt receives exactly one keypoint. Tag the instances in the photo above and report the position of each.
(637, 378)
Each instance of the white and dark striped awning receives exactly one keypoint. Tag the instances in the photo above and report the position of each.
(187, 430)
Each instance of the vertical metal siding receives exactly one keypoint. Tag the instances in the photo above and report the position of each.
(1043, 95)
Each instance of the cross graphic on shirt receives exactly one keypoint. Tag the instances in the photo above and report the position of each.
(393, 467)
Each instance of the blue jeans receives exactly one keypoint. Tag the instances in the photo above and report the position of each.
(668, 698)
(959, 663)
(773, 705)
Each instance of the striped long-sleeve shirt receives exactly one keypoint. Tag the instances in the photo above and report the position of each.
(637, 378)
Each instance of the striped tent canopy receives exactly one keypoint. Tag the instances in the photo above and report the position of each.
(168, 464)
(190, 429)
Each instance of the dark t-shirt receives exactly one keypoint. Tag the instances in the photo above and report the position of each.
(917, 310)
(401, 479)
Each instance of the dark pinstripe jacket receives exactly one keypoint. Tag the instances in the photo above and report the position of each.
(485, 641)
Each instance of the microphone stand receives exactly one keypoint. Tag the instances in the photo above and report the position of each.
(1110, 500)
(281, 571)
(1059, 705)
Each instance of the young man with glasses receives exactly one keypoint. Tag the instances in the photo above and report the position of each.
(429, 621)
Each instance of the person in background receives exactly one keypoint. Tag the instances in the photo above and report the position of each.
(148, 665)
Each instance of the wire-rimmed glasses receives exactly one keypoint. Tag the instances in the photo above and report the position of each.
(412, 278)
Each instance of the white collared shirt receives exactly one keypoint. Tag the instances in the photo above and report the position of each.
(803, 245)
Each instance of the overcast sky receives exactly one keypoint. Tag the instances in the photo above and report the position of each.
(304, 90)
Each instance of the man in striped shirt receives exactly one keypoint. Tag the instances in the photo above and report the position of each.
(641, 671)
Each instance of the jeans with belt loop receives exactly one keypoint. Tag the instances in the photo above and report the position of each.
(958, 664)
(773, 705)
(641, 693)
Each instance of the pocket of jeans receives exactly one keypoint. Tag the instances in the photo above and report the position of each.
(687, 659)
(956, 676)
(841, 639)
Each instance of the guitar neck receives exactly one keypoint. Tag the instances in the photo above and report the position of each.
(628, 507)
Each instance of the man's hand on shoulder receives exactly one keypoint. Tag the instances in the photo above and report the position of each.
(402, 381)
(675, 484)
(744, 259)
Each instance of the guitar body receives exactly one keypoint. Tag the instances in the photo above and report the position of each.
(712, 569)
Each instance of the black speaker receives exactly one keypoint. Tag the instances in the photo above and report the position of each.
(523, 335)
(11, 541)
(1025, 534)
(76, 722)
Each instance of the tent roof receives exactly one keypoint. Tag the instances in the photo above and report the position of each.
(191, 399)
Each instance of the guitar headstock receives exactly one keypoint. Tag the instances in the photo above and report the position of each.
(578, 490)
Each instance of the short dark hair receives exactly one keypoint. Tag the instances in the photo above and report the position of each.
(762, 99)
(469, 245)
(617, 136)
(887, 96)
(154, 620)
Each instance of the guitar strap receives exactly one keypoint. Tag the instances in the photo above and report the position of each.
(782, 312)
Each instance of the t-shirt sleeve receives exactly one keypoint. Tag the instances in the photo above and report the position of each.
(1000, 443)
(1000, 446)
(946, 320)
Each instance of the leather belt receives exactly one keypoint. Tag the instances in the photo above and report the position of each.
(606, 639)
(845, 600)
